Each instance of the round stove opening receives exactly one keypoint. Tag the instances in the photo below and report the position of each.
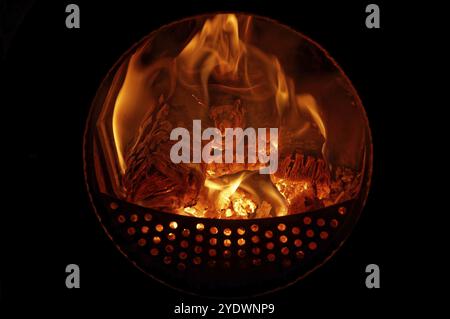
(227, 155)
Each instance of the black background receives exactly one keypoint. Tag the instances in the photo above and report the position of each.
(51, 75)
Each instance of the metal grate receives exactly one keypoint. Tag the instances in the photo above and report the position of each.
(219, 256)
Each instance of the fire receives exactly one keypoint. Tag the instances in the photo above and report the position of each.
(216, 51)
(220, 77)
(216, 45)
(133, 103)
(224, 189)
(282, 91)
(307, 102)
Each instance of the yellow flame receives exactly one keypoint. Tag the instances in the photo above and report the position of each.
(216, 47)
(282, 90)
(222, 199)
(131, 103)
(308, 102)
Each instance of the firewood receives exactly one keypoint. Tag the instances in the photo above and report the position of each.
(151, 178)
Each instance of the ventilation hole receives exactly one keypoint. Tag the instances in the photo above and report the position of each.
(271, 257)
(199, 238)
(320, 222)
(173, 225)
(154, 251)
(167, 260)
(312, 245)
(134, 218)
(213, 241)
(241, 231)
(283, 239)
(281, 227)
(212, 263)
(254, 228)
(212, 252)
(241, 241)
(307, 220)
(227, 243)
(310, 233)
(131, 230)
(121, 219)
(285, 251)
(198, 249)
(183, 255)
(227, 232)
(334, 223)
(300, 254)
(255, 239)
(323, 235)
(169, 248)
(181, 267)
(214, 230)
(171, 236)
(144, 229)
(270, 245)
(185, 232)
(156, 239)
(256, 250)
(226, 264)
(295, 230)
(286, 263)
(159, 228)
(241, 253)
(197, 260)
(148, 217)
(227, 253)
(268, 234)
(342, 210)
(200, 226)
(114, 205)
(184, 244)
(298, 243)
(142, 242)
(257, 261)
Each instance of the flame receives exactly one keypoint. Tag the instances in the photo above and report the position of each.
(242, 195)
(223, 198)
(281, 87)
(308, 102)
(134, 101)
(220, 193)
(216, 48)
(216, 45)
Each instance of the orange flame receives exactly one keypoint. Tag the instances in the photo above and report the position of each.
(216, 48)
(282, 90)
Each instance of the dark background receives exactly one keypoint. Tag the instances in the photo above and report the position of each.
(50, 75)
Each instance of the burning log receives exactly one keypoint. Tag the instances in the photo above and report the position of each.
(151, 178)
(298, 166)
(307, 183)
